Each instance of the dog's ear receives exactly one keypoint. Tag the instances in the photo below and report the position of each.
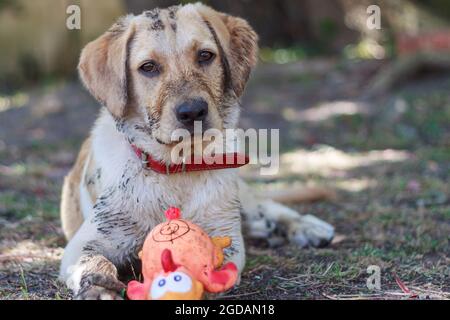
(240, 43)
(103, 66)
(243, 51)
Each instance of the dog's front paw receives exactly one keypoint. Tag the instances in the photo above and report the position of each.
(310, 231)
(98, 293)
(100, 287)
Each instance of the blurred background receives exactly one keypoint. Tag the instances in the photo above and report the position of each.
(365, 112)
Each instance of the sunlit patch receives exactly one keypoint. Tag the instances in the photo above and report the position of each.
(326, 160)
(326, 111)
(329, 162)
(27, 252)
(365, 49)
(14, 170)
(17, 100)
(282, 55)
(356, 185)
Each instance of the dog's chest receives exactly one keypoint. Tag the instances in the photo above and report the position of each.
(142, 194)
(135, 204)
(132, 199)
(194, 193)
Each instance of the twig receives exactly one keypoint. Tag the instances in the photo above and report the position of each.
(352, 296)
(240, 295)
(328, 269)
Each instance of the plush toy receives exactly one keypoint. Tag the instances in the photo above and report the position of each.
(180, 261)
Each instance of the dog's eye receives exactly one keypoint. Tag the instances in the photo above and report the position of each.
(150, 67)
(205, 56)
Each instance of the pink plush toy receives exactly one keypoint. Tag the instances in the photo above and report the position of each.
(180, 261)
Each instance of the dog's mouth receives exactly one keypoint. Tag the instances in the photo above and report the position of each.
(173, 143)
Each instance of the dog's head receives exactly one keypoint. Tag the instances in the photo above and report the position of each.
(166, 68)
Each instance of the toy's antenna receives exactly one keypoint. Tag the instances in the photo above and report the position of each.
(172, 213)
(167, 261)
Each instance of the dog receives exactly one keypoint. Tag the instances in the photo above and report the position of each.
(154, 73)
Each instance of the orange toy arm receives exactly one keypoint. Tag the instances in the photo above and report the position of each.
(219, 244)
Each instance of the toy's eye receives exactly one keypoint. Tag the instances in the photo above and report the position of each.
(174, 282)
(159, 287)
(179, 282)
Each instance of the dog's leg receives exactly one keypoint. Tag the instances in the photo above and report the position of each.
(86, 269)
(225, 220)
(236, 253)
(266, 219)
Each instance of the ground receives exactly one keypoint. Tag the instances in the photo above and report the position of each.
(386, 157)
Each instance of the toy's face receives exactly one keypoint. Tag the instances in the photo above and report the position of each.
(177, 285)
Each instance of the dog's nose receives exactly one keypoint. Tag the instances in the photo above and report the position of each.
(192, 110)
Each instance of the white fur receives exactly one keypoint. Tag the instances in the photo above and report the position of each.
(85, 199)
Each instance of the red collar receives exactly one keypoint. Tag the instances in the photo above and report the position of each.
(229, 160)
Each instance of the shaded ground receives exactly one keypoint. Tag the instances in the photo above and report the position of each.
(388, 158)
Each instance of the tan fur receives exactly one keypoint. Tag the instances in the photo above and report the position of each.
(301, 194)
(103, 65)
(241, 39)
(71, 215)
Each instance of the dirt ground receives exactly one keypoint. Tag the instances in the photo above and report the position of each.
(387, 158)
